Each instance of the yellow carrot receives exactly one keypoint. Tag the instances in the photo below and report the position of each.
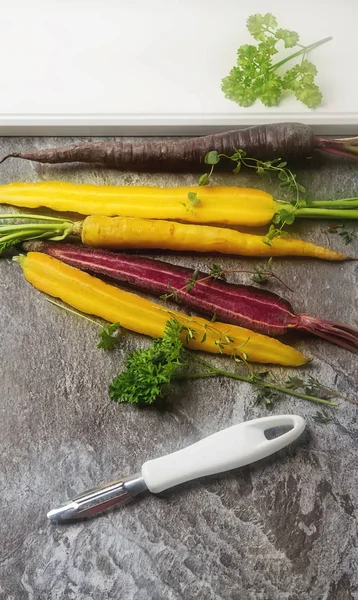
(93, 296)
(120, 233)
(222, 205)
(126, 232)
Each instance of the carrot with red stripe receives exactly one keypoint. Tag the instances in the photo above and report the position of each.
(259, 310)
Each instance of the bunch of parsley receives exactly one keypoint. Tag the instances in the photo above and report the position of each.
(255, 76)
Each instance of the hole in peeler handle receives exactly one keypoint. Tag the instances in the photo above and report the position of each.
(274, 432)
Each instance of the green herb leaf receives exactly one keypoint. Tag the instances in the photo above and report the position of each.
(173, 292)
(271, 233)
(237, 168)
(270, 89)
(267, 397)
(217, 272)
(286, 216)
(290, 38)
(276, 218)
(148, 372)
(194, 200)
(165, 297)
(313, 387)
(203, 179)
(259, 276)
(193, 197)
(309, 95)
(283, 176)
(347, 236)
(189, 333)
(212, 158)
(192, 281)
(108, 336)
(259, 24)
(294, 383)
(238, 154)
(322, 417)
(220, 345)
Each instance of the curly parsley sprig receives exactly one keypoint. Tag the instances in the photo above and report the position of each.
(255, 76)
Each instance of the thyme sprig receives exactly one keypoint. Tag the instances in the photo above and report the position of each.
(322, 417)
(260, 275)
(288, 181)
(193, 201)
(109, 334)
(347, 235)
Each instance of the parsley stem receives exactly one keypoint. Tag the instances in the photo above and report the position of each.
(214, 372)
(303, 50)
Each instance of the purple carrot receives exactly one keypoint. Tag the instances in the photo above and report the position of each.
(264, 142)
(247, 306)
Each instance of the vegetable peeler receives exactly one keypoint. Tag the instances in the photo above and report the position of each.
(227, 449)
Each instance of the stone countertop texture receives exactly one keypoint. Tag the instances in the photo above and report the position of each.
(282, 529)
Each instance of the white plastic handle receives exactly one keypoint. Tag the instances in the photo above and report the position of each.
(227, 449)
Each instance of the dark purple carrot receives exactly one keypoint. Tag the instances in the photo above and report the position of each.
(277, 140)
(247, 306)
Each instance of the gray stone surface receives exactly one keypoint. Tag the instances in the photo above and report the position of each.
(283, 529)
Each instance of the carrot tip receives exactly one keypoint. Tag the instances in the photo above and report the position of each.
(19, 259)
(13, 155)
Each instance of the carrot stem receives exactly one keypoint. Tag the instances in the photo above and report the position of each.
(343, 203)
(34, 227)
(12, 234)
(30, 216)
(345, 153)
(326, 213)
